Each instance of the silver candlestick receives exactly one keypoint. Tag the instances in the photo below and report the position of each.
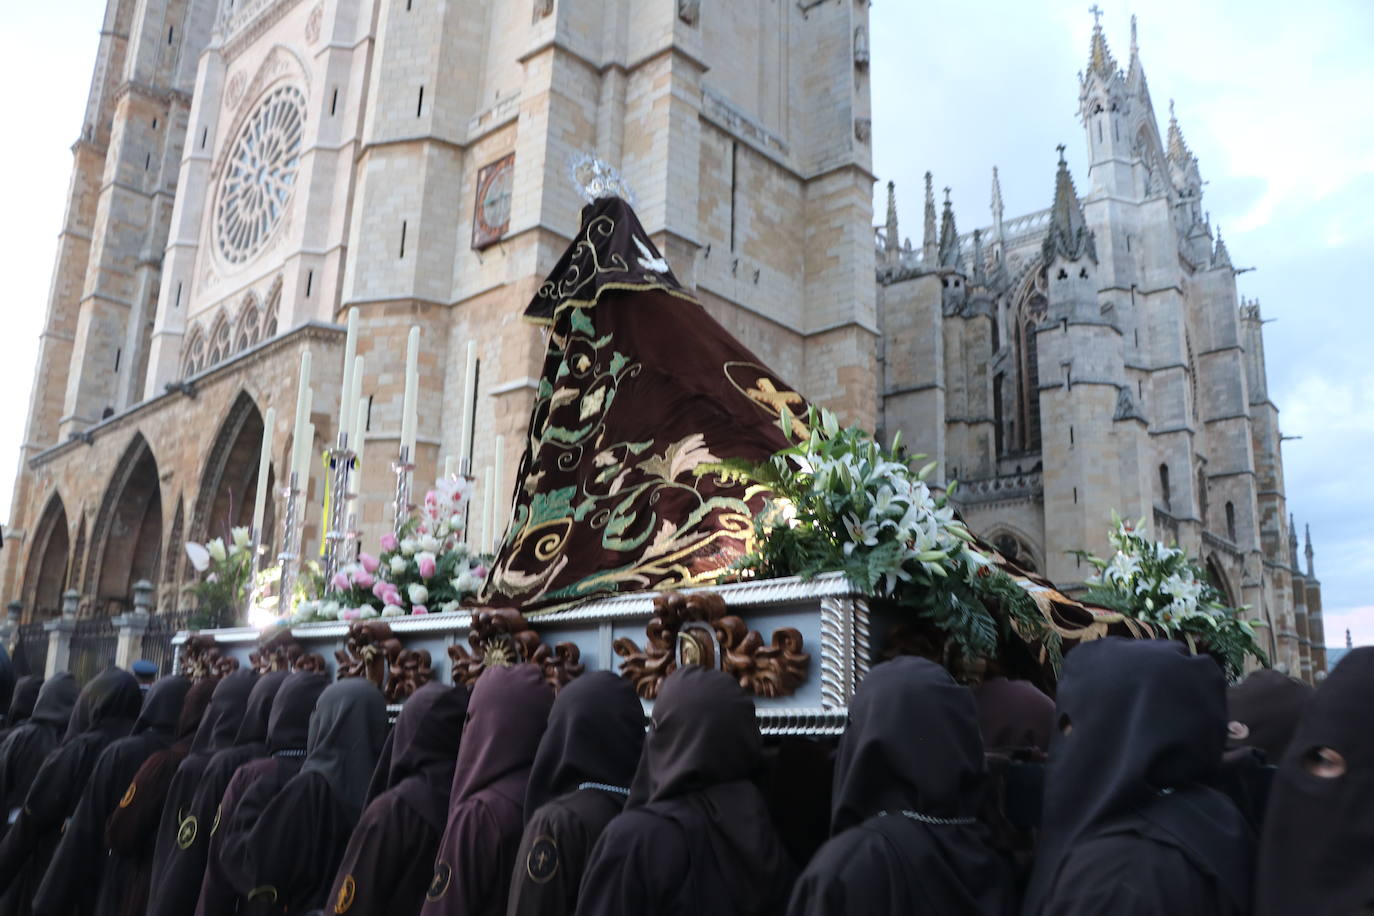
(338, 532)
(290, 546)
(402, 468)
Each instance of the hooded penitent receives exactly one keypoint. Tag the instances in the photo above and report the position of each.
(288, 728)
(580, 780)
(285, 846)
(180, 847)
(75, 880)
(1317, 854)
(21, 703)
(507, 715)
(131, 828)
(640, 388)
(695, 836)
(1128, 825)
(29, 743)
(1013, 715)
(908, 782)
(104, 711)
(1265, 709)
(390, 857)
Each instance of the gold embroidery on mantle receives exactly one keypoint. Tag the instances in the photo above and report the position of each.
(502, 638)
(696, 630)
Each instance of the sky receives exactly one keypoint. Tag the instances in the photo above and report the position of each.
(1274, 98)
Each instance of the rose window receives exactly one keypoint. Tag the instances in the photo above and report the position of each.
(260, 175)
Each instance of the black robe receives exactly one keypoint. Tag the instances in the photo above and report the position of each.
(131, 827)
(182, 842)
(1014, 715)
(1142, 726)
(908, 785)
(22, 702)
(30, 742)
(390, 857)
(695, 836)
(507, 715)
(104, 712)
(1265, 709)
(1317, 853)
(74, 882)
(580, 780)
(287, 735)
(282, 847)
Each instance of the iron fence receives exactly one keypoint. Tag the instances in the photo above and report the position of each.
(30, 649)
(157, 639)
(93, 647)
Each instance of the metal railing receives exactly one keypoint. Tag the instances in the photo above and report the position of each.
(93, 647)
(157, 639)
(30, 649)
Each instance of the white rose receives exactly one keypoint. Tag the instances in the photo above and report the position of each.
(429, 543)
(408, 546)
(329, 609)
(393, 610)
(455, 522)
(217, 551)
(367, 612)
(399, 564)
(448, 607)
(466, 582)
(417, 594)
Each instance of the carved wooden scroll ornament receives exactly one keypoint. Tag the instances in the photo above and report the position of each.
(279, 651)
(696, 630)
(200, 657)
(369, 651)
(410, 670)
(500, 638)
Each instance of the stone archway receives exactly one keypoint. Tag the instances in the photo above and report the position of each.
(46, 576)
(229, 484)
(1217, 576)
(126, 543)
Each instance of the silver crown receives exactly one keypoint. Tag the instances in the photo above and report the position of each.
(594, 179)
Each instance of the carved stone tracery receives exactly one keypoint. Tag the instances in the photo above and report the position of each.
(501, 638)
(696, 630)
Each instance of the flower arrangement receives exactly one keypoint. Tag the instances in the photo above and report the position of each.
(1160, 585)
(228, 569)
(841, 502)
(425, 568)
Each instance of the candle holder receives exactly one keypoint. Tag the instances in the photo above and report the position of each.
(290, 546)
(402, 505)
(339, 532)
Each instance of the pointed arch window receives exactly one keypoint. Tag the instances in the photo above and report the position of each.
(1202, 495)
(194, 359)
(248, 326)
(1029, 312)
(1164, 493)
(1231, 521)
(269, 317)
(219, 343)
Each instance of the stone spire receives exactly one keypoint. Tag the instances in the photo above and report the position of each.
(1068, 235)
(892, 240)
(1135, 71)
(1293, 540)
(949, 235)
(1220, 256)
(1307, 530)
(929, 250)
(1177, 147)
(1100, 60)
(996, 205)
(979, 276)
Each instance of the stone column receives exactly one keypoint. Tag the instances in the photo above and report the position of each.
(132, 625)
(60, 635)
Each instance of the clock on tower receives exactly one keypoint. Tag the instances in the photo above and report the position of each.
(491, 215)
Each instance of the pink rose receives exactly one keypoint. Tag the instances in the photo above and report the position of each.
(369, 562)
(340, 582)
(380, 588)
(349, 614)
(389, 542)
(392, 595)
(363, 579)
(427, 566)
(480, 572)
(419, 609)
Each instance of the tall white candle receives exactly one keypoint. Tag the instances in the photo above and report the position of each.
(449, 469)
(484, 544)
(469, 406)
(412, 378)
(346, 400)
(498, 495)
(302, 411)
(359, 439)
(306, 456)
(269, 424)
(353, 396)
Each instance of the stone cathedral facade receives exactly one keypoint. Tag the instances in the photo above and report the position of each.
(248, 170)
(1095, 357)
